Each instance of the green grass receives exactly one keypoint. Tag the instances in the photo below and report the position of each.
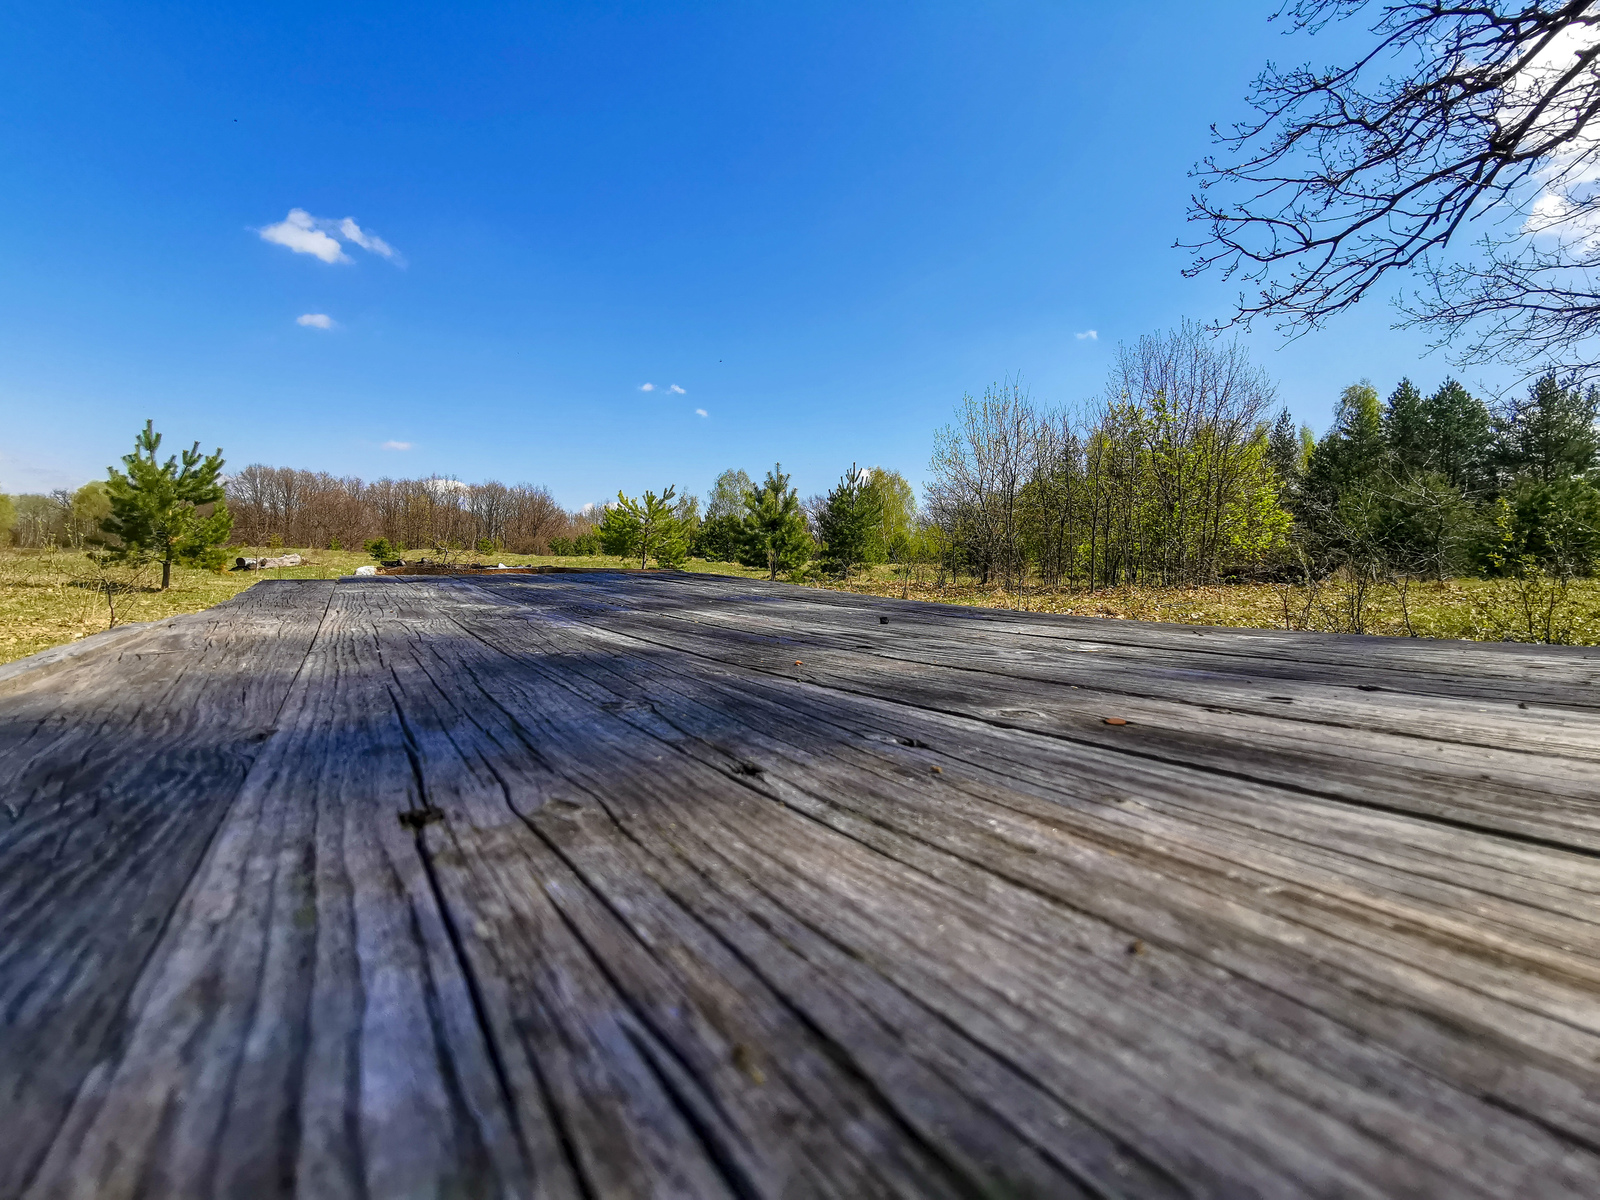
(51, 597)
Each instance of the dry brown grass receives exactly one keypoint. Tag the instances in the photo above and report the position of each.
(1473, 609)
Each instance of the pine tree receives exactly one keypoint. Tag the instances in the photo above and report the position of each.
(1460, 438)
(647, 526)
(1346, 476)
(851, 520)
(1550, 434)
(775, 534)
(1446, 433)
(1283, 448)
(156, 507)
(1406, 428)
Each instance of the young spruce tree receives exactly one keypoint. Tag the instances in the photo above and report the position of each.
(156, 507)
(775, 534)
(851, 521)
(647, 526)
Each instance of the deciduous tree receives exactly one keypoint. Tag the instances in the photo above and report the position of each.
(1454, 122)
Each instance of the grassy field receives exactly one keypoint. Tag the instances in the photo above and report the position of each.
(1491, 610)
(51, 597)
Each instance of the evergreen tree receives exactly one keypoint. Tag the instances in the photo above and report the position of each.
(721, 534)
(156, 508)
(647, 526)
(1437, 454)
(1460, 438)
(775, 534)
(1405, 428)
(1550, 434)
(1345, 478)
(1355, 451)
(1555, 524)
(850, 521)
(1283, 448)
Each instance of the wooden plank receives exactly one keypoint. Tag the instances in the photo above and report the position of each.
(115, 769)
(1543, 793)
(305, 1024)
(850, 782)
(1425, 664)
(578, 886)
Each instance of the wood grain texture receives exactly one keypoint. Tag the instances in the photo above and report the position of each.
(658, 885)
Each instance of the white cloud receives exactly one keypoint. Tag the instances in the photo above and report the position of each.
(315, 320)
(395, 446)
(1090, 335)
(700, 412)
(679, 390)
(647, 387)
(319, 236)
(1567, 206)
(299, 232)
(367, 241)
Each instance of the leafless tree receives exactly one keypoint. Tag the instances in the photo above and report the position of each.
(305, 508)
(1184, 406)
(1461, 117)
(979, 470)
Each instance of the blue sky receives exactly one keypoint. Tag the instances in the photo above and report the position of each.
(823, 222)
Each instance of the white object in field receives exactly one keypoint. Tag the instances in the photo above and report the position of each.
(369, 569)
(500, 566)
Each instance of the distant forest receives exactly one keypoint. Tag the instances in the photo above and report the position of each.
(1181, 473)
(1184, 471)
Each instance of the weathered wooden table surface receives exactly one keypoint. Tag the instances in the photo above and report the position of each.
(624, 885)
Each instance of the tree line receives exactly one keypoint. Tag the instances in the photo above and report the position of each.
(1177, 476)
(869, 517)
(286, 507)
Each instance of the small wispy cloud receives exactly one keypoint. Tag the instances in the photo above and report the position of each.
(647, 387)
(367, 241)
(395, 446)
(679, 390)
(319, 237)
(1088, 335)
(700, 412)
(315, 320)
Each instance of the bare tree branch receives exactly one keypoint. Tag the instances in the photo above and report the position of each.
(1461, 113)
